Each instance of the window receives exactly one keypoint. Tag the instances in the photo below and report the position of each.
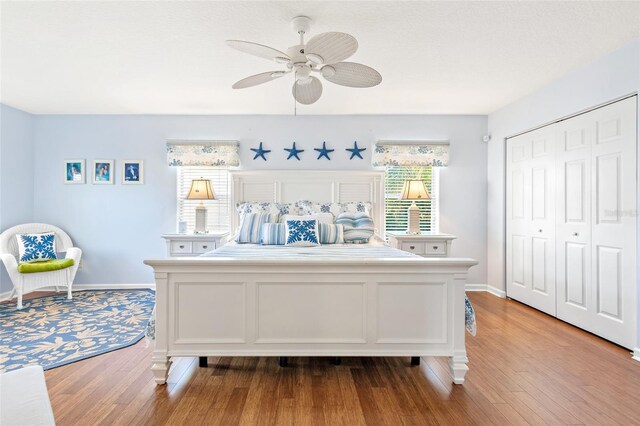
(396, 209)
(217, 210)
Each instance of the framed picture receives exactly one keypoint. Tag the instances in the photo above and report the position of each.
(74, 171)
(132, 172)
(103, 172)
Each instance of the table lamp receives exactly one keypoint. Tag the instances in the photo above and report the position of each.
(414, 190)
(201, 190)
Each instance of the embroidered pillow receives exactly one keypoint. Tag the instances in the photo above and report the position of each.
(335, 209)
(331, 233)
(320, 217)
(273, 234)
(273, 208)
(358, 227)
(251, 226)
(302, 233)
(37, 247)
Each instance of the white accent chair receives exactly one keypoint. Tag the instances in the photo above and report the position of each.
(26, 283)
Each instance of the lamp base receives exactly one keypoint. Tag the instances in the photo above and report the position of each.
(201, 220)
(413, 219)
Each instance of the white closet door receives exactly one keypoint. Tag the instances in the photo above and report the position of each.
(573, 233)
(613, 212)
(531, 222)
(596, 233)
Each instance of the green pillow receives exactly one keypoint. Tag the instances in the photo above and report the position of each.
(49, 265)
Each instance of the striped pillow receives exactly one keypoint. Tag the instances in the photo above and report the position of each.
(273, 234)
(251, 226)
(331, 234)
(358, 227)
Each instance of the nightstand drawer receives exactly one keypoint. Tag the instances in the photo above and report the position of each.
(181, 247)
(436, 248)
(204, 246)
(413, 247)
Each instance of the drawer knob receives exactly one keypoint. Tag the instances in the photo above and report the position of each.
(182, 246)
(204, 247)
(435, 247)
(412, 247)
(575, 234)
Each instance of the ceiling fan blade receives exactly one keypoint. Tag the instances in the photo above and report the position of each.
(331, 47)
(258, 50)
(254, 80)
(307, 93)
(351, 74)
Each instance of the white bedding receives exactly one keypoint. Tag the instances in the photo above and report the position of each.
(374, 250)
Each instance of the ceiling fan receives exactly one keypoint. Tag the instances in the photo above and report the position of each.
(322, 54)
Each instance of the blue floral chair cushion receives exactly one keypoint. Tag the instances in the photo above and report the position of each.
(36, 247)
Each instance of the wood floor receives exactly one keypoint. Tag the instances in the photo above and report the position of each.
(525, 367)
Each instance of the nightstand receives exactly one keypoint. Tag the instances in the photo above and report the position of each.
(193, 244)
(425, 244)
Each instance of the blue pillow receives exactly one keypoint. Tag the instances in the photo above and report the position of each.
(302, 233)
(251, 226)
(358, 227)
(331, 233)
(37, 247)
(273, 234)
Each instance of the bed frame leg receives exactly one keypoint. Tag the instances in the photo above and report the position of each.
(336, 360)
(203, 361)
(415, 360)
(282, 361)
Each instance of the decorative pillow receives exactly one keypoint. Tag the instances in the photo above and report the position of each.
(273, 234)
(331, 233)
(37, 247)
(320, 217)
(273, 208)
(358, 227)
(302, 233)
(335, 209)
(251, 226)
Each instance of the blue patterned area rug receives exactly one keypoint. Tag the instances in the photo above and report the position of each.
(52, 331)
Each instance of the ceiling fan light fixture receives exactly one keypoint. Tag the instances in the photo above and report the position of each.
(304, 81)
(328, 71)
(315, 58)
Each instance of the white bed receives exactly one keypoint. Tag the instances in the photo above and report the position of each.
(341, 300)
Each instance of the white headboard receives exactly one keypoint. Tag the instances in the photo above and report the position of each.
(289, 186)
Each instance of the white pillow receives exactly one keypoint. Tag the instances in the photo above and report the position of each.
(36, 247)
(320, 217)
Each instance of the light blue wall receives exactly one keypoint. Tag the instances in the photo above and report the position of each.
(16, 172)
(118, 226)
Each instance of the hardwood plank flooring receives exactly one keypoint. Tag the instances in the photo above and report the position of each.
(525, 368)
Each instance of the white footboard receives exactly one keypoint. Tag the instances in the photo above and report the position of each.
(239, 307)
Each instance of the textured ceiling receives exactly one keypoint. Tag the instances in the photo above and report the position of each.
(170, 57)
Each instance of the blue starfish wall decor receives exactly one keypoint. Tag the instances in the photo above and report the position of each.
(293, 152)
(324, 152)
(260, 152)
(355, 151)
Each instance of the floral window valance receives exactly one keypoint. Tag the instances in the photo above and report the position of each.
(411, 153)
(203, 153)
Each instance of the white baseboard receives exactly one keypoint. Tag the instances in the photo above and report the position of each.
(485, 287)
(636, 354)
(5, 296)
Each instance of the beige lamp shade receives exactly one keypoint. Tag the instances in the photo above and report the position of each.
(201, 190)
(414, 190)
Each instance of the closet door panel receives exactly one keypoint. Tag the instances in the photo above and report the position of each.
(530, 220)
(573, 227)
(614, 223)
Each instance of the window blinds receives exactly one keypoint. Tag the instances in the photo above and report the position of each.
(396, 209)
(217, 210)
